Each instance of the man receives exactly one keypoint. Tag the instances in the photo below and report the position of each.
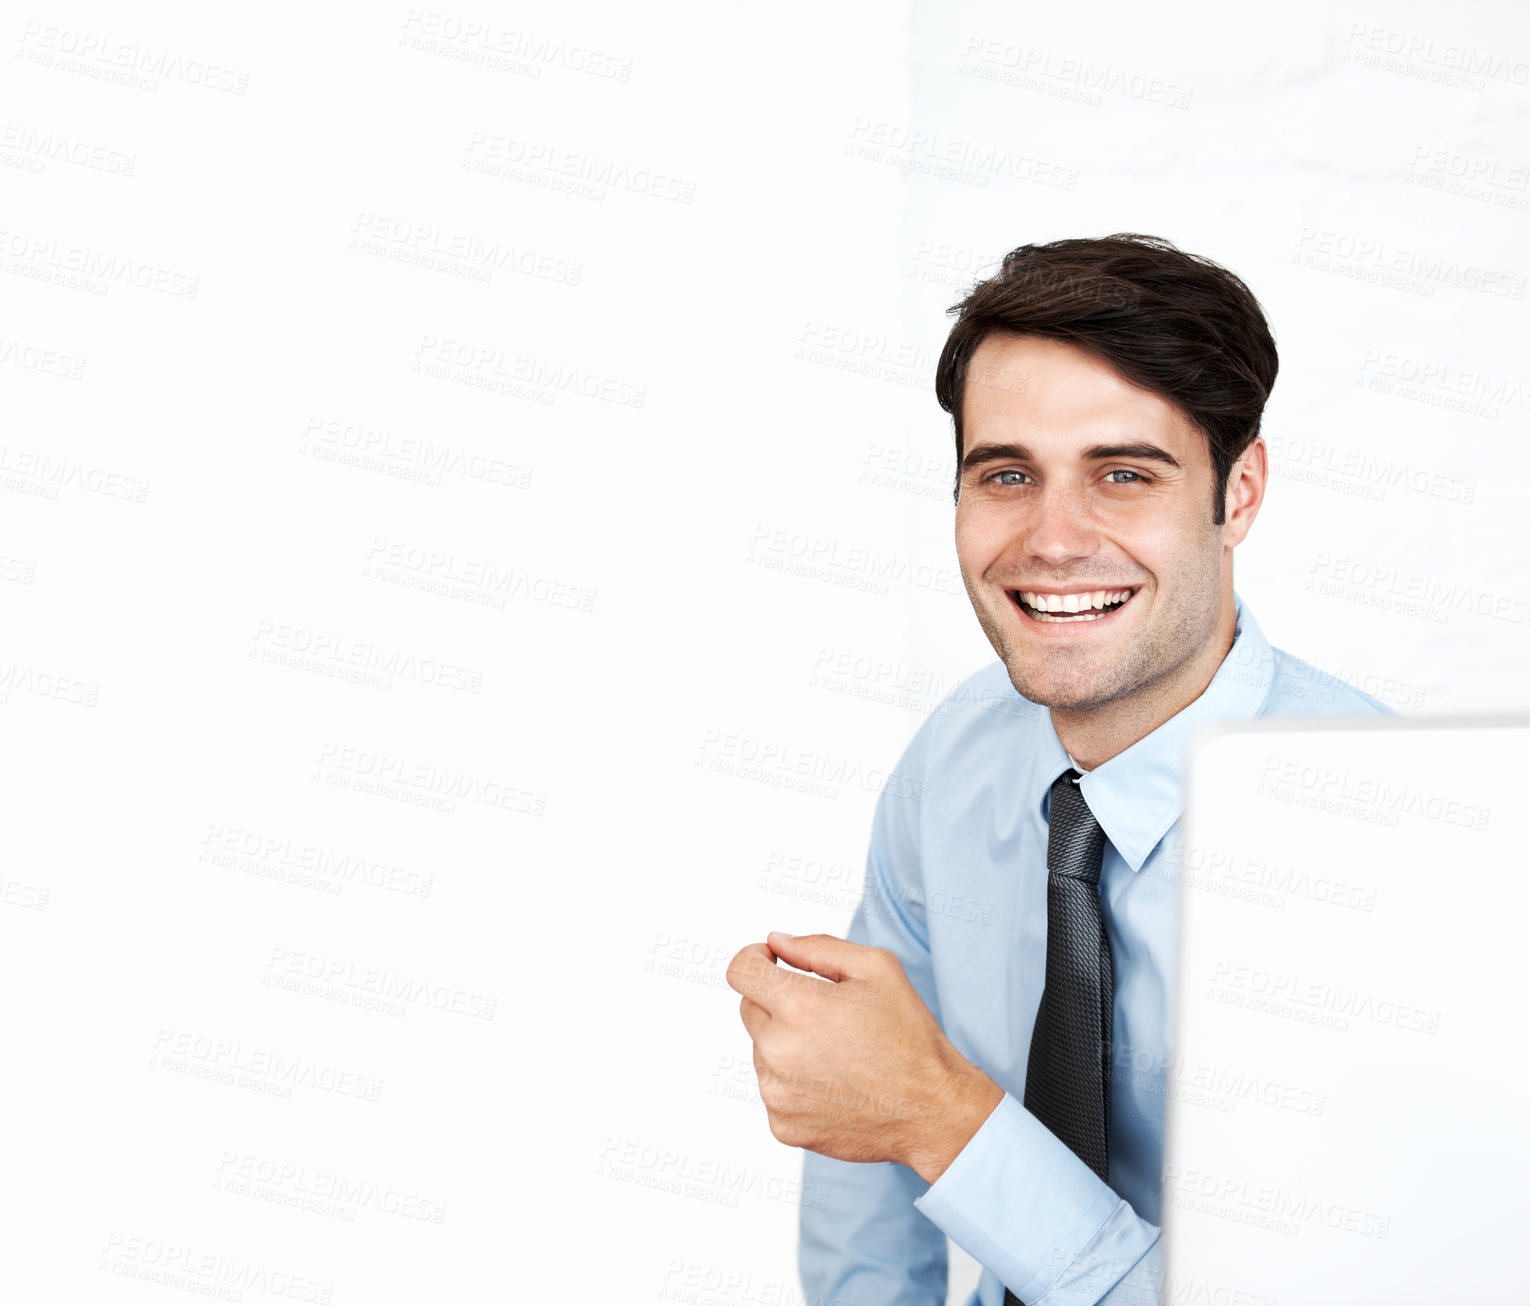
(986, 1056)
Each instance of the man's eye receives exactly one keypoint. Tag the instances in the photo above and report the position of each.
(996, 477)
(1122, 471)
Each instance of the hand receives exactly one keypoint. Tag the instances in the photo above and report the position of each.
(853, 1065)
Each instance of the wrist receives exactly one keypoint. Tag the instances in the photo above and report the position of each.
(959, 1113)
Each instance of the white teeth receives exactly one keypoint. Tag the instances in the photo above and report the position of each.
(1078, 607)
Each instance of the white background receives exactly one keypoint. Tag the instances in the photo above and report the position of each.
(660, 290)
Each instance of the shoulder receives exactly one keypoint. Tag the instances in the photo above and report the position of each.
(1298, 688)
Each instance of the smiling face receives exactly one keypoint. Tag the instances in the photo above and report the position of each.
(1084, 531)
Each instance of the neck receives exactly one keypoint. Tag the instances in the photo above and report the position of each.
(1094, 735)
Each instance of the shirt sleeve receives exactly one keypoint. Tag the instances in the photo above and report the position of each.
(1015, 1198)
(863, 1241)
(1023, 1205)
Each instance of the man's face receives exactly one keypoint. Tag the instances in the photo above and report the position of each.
(1099, 486)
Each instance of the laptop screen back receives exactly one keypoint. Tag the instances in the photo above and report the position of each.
(1346, 1119)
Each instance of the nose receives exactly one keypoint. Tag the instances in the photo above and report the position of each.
(1060, 527)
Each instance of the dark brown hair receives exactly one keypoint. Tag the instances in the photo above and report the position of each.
(1174, 323)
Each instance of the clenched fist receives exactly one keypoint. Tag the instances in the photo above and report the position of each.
(853, 1065)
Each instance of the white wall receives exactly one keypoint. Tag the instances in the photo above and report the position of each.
(262, 266)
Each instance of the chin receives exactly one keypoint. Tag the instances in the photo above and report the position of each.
(1048, 694)
(1078, 689)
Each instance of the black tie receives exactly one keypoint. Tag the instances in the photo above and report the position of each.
(1067, 1082)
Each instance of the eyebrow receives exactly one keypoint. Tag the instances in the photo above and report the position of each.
(981, 454)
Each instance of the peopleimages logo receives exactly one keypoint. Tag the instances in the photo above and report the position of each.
(785, 765)
(92, 265)
(205, 1273)
(1399, 799)
(1231, 1194)
(1288, 994)
(1375, 254)
(1448, 61)
(951, 158)
(1032, 69)
(110, 60)
(436, 32)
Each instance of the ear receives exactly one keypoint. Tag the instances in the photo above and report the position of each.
(1245, 491)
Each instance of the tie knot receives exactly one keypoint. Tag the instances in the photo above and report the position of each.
(1075, 841)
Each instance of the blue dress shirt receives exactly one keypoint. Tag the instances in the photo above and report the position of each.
(956, 886)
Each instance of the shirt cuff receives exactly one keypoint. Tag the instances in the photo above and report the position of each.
(1019, 1201)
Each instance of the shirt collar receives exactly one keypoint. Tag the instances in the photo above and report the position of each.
(1139, 793)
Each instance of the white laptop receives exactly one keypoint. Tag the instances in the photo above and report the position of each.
(1346, 1120)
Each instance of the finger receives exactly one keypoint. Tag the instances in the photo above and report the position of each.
(754, 973)
(751, 970)
(754, 1016)
(768, 1082)
(823, 954)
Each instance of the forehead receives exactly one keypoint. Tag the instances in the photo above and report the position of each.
(1035, 390)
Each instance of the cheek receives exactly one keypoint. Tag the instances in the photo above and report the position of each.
(978, 540)
(984, 531)
(1159, 539)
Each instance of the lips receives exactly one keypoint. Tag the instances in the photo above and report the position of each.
(1084, 606)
